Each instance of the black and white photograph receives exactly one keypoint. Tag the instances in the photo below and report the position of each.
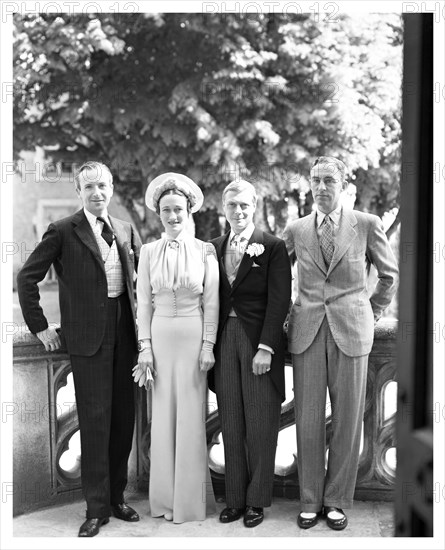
(222, 274)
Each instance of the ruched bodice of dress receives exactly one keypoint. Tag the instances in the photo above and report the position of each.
(181, 302)
(178, 278)
(178, 308)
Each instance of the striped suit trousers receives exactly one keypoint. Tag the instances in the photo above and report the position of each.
(249, 408)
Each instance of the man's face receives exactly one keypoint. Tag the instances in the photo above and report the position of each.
(239, 209)
(95, 190)
(326, 186)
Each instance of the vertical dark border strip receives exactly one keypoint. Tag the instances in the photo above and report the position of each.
(414, 483)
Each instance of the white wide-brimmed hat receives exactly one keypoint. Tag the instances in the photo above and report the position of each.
(172, 180)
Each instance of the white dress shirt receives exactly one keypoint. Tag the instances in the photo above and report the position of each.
(110, 256)
(335, 216)
(245, 234)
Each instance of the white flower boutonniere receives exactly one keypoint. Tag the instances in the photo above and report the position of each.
(255, 249)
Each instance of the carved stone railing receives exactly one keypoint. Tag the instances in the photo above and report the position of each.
(376, 474)
(39, 434)
(44, 426)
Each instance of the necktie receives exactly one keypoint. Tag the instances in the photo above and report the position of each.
(236, 244)
(107, 232)
(236, 255)
(327, 241)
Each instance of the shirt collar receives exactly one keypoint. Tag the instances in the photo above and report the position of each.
(334, 215)
(246, 233)
(92, 219)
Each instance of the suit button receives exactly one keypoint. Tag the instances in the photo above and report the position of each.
(102, 305)
(328, 280)
(327, 302)
(232, 299)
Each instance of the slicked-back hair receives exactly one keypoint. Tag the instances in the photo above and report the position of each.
(98, 167)
(336, 164)
(238, 186)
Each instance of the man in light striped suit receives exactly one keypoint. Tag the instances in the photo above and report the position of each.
(331, 332)
(248, 378)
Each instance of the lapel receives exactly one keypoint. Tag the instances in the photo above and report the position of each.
(220, 246)
(123, 246)
(83, 230)
(247, 261)
(309, 239)
(345, 236)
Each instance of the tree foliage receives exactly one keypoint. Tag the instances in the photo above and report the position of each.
(215, 96)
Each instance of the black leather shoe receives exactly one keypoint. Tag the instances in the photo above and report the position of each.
(90, 528)
(336, 524)
(307, 523)
(230, 514)
(253, 516)
(124, 512)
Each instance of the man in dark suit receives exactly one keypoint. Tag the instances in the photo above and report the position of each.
(331, 331)
(95, 258)
(248, 378)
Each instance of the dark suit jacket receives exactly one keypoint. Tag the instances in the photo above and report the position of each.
(69, 244)
(260, 297)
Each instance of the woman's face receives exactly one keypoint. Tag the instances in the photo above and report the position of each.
(173, 213)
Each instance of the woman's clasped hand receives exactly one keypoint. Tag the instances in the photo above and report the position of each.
(144, 372)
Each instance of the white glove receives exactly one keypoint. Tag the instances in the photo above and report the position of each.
(206, 357)
(144, 371)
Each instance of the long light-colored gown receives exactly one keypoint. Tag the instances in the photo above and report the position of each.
(178, 306)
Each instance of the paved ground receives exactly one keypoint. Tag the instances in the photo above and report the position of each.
(366, 519)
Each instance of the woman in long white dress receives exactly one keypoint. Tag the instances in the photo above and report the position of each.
(178, 305)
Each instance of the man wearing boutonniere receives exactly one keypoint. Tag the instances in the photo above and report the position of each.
(248, 377)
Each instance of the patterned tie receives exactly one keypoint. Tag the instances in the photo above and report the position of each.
(107, 232)
(236, 255)
(327, 241)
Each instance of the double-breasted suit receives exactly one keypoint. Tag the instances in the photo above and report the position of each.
(249, 405)
(100, 335)
(331, 331)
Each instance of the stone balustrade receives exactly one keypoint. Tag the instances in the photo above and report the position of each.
(46, 464)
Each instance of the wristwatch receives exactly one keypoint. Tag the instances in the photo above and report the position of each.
(143, 344)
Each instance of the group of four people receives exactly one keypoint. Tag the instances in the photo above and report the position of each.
(213, 313)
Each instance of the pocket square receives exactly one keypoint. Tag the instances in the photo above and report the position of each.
(255, 265)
